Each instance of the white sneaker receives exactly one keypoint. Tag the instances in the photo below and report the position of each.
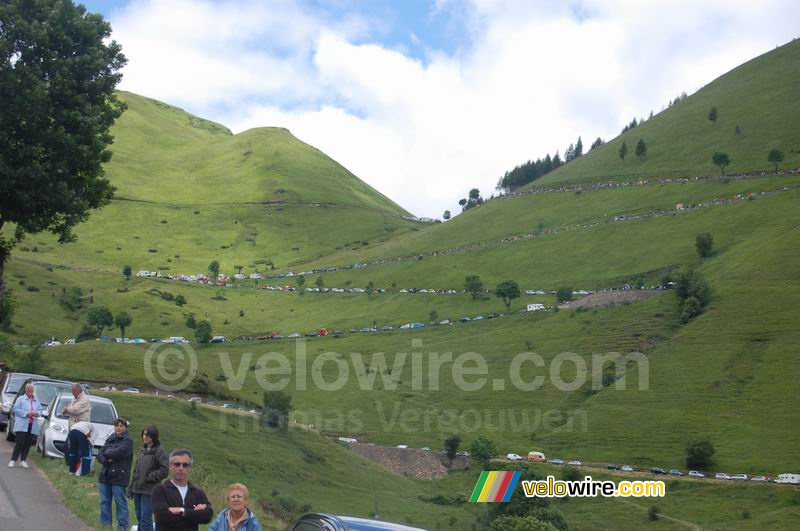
(11, 464)
(24, 464)
(78, 474)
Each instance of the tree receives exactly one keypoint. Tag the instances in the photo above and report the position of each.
(434, 316)
(641, 149)
(238, 268)
(578, 148)
(462, 203)
(775, 156)
(482, 450)
(180, 300)
(203, 332)
(320, 282)
(370, 289)
(277, 406)
(474, 194)
(564, 294)
(446, 215)
(699, 453)
(123, 321)
(520, 523)
(597, 143)
(703, 242)
(451, 445)
(57, 78)
(191, 321)
(300, 280)
(721, 159)
(127, 272)
(100, 317)
(507, 290)
(712, 115)
(473, 286)
(213, 268)
(623, 151)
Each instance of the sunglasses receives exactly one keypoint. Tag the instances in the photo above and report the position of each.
(181, 465)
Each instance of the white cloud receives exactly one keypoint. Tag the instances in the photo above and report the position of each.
(529, 80)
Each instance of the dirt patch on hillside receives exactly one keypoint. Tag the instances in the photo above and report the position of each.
(604, 299)
(410, 462)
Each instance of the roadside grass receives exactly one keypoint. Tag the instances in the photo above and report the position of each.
(284, 471)
(756, 97)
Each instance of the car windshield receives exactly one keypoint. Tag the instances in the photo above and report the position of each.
(45, 392)
(15, 383)
(102, 413)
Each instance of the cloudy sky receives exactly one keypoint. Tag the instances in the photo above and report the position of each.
(425, 99)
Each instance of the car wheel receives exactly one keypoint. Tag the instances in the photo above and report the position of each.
(44, 452)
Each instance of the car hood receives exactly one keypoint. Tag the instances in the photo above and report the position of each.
(102, 431)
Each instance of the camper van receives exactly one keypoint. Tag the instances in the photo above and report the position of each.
(790, 479)
(536, 457)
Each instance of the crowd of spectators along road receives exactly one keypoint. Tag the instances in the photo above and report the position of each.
(158, 483)
(223, 280)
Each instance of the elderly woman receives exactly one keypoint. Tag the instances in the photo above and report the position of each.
(237, 516)
(26, 426)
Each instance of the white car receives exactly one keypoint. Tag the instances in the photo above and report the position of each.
(627, 468)
(402, 446)
(759, 479)
(696, 474)
(130, 390)
(740, 477)
(514, 457)
(195, 399)
(722, 475)
(53, 437)
(575, 463)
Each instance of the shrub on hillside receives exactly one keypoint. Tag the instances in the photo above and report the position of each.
(203, 333)
(564, 294)
(652, 513)
(87, 333)
(451, 445)
(277, 406)
(704, 242)
(699, 453)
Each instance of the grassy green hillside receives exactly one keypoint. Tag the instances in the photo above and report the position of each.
(759, 97)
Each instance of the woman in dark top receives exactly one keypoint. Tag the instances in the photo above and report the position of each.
(116, 456)
(150, 470)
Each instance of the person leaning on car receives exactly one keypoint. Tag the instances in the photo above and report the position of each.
(151, 468)
(80, 408)
(177, 504)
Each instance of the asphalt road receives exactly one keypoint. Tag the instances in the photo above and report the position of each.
(28, 502)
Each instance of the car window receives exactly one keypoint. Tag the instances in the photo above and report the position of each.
(102, 413)
(14, 383)
(45, 393)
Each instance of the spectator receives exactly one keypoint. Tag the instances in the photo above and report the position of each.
(177, 504)
(26, 429)
(237, 516)
(116, 456)
(79, 409)
(151, 468)
(79, 448)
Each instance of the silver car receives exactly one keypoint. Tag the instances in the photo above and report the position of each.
(9, 386)
(52, 440)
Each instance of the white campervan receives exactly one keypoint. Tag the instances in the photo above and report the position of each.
(790, 479)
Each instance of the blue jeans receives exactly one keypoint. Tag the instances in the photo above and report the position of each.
(144, 511)
(117, 493)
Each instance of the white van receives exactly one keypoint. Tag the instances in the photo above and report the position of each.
(789, 479)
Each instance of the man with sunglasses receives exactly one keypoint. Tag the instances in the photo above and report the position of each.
(177, 504)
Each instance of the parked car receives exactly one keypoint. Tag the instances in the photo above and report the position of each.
(465, 319)
(130, 390)
(514, 457)
(676, 472)
(9, 386)
(462, 454)
(696, 474)
(556, 461)
(329, 522)
(657, 470)
(108, 388)
(294, 335)
(45, 391)
(612, 466)
(227, 405)
(627, 468)
(722, 475)
(219, 339)
(195, 399)
(53, 436)
(575, 462)
(760, 479)
(402, 446)
(536, 457)
(739, 477)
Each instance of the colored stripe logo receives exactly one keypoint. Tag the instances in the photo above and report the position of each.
(495, 486)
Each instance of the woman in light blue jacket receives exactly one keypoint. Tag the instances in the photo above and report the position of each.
(237, 516)
(26, 426)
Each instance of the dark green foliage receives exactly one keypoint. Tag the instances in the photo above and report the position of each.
(641, 149)
(30, 361)
(320, 282)
(775, 156)
(564, 294)
(652, 513)
(597, 143)
(213, 268)
(127, 271)
(690, 309)
(721, 160)
(370, 289)
(446, 215)
(167, 296)
(520, 523)
(122, 321)
(528, 172)
(57, 80)
(180, 300)
(434, 316)
(712, 115)
(704, 242)
(623, 152)
(203, 332)
(71, 299)
(507, 290)
(7, 306)
(277, 406)
(473, 286)
(87, 333)
(571, 474)
(451, 445)
(191, 322)
(482, 450)
(699, 453)
(100, 317)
